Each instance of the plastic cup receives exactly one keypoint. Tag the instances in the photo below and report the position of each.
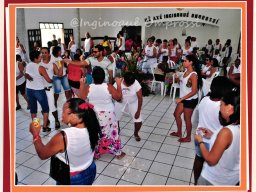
(36, 122)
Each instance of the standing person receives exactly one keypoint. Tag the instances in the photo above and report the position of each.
(106, 42)
(234, 72)
(129, 44)
(194, 43)
(131, 100)
(120, 42)
(20, 82)
(81, 138)
(35, 75)
(222, 160)
(217, 45)
(190, 83)
(62, 46)
(187, 49)
(163, 51)
(150, 54)
(208, 109)
(72, 46)
(227, 55)
(100, 94)
(158, 44)
(88, 45)
(50, 68)
(173, 51)
(60, 79)
(20, 50)
(209, 47)
(97, 60)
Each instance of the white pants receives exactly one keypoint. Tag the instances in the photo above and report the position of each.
(50, 98)
(127, 108)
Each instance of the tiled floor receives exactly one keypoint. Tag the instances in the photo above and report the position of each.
(158, 159)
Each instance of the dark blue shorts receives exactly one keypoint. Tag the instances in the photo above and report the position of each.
(40, 96)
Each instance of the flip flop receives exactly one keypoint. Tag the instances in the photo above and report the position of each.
(46, 129)
(175, 134)
(184, 140)
(137, 138)
(119, 157)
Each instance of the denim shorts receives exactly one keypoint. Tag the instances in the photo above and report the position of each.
(40, 96)
(85, 177)
(58, 81)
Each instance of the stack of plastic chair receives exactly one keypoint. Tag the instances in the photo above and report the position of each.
(154, 82)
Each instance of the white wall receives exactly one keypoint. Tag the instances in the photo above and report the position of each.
(229, 25)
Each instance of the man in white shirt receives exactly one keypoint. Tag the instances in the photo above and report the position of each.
(131, 102)
(97, 60)
(88, 45)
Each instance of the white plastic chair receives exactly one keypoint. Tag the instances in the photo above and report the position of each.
(207, 83)
(171, 64)
(156, 82)
(174, 87)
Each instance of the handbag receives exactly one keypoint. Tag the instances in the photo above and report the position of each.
(59, 170)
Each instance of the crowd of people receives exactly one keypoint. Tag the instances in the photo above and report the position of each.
(96, 99)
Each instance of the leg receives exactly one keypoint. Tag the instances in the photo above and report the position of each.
(187, 116)
(56, 97)
(137, 126)
(68, 94)
(45, 116)
(57, 123)
(66, 87)
(43, 101)
(57, 88)
(17, 102)
(198, 166)
(177, 114)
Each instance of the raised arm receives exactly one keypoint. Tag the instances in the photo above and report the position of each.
(116, 92)
(83, 89)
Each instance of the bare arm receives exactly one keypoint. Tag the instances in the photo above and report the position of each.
(140, 98)
(116, 92)
(79, 63)
(43, 72)
(21, 68)
(57, 71)
(83, 89)
(222, 142)
(212, 70)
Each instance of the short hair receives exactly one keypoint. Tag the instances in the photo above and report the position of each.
(220, 86)
(99, 47)
(18, 57)
(215, 62)
(165, 58)
(159, 41)
(55, 51)
(48, 50)
(129, 78)
(98, 75)
(34, 55)
(77, 57)
(54, 42)
(49, 44)
(165, 41)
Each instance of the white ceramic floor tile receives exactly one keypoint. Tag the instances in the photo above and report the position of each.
(115, 171)
(50, 181)
(172, 149)
(35, 162)
(189, 145)
(146, 112)
(23, 144)
(45, 168)
(186, 152)
(126, 183)
(147, 154)
(180, 174)
(129, 126)
(171, 181)
(165, 158)
(133, 142)
(106, 157)
(152, 179)
(153, 118)
(184, 162)
(122, 124)
(22, 157)
(170, 140)
(164, 125)
(159, 131)
(125, 161)
(131, 150)
(105, 180)
(146, 129)
(152, 145)
(23, 172)
(100, 165)
(150, 123)
(134, 175)
(163, 110)
(141, 164)
(36, 178)
(157, 113)
(160, 169)
(124, 139)
(144, 135)
(156, 138)
(31, 149)
(126, 132)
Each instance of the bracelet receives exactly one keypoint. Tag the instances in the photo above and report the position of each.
(36, 138)
(200, 143)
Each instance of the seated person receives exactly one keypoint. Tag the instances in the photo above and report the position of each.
(234, 72)
(162, 69)
(206, 67)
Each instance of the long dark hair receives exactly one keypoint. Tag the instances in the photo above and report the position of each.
(89, 117)
(197, 69)
(233, 98)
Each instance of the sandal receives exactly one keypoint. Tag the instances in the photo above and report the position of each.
(119, 157)
(175, 134)
(57, 124)
(46, 129)
(183, 140)
(137, 138)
